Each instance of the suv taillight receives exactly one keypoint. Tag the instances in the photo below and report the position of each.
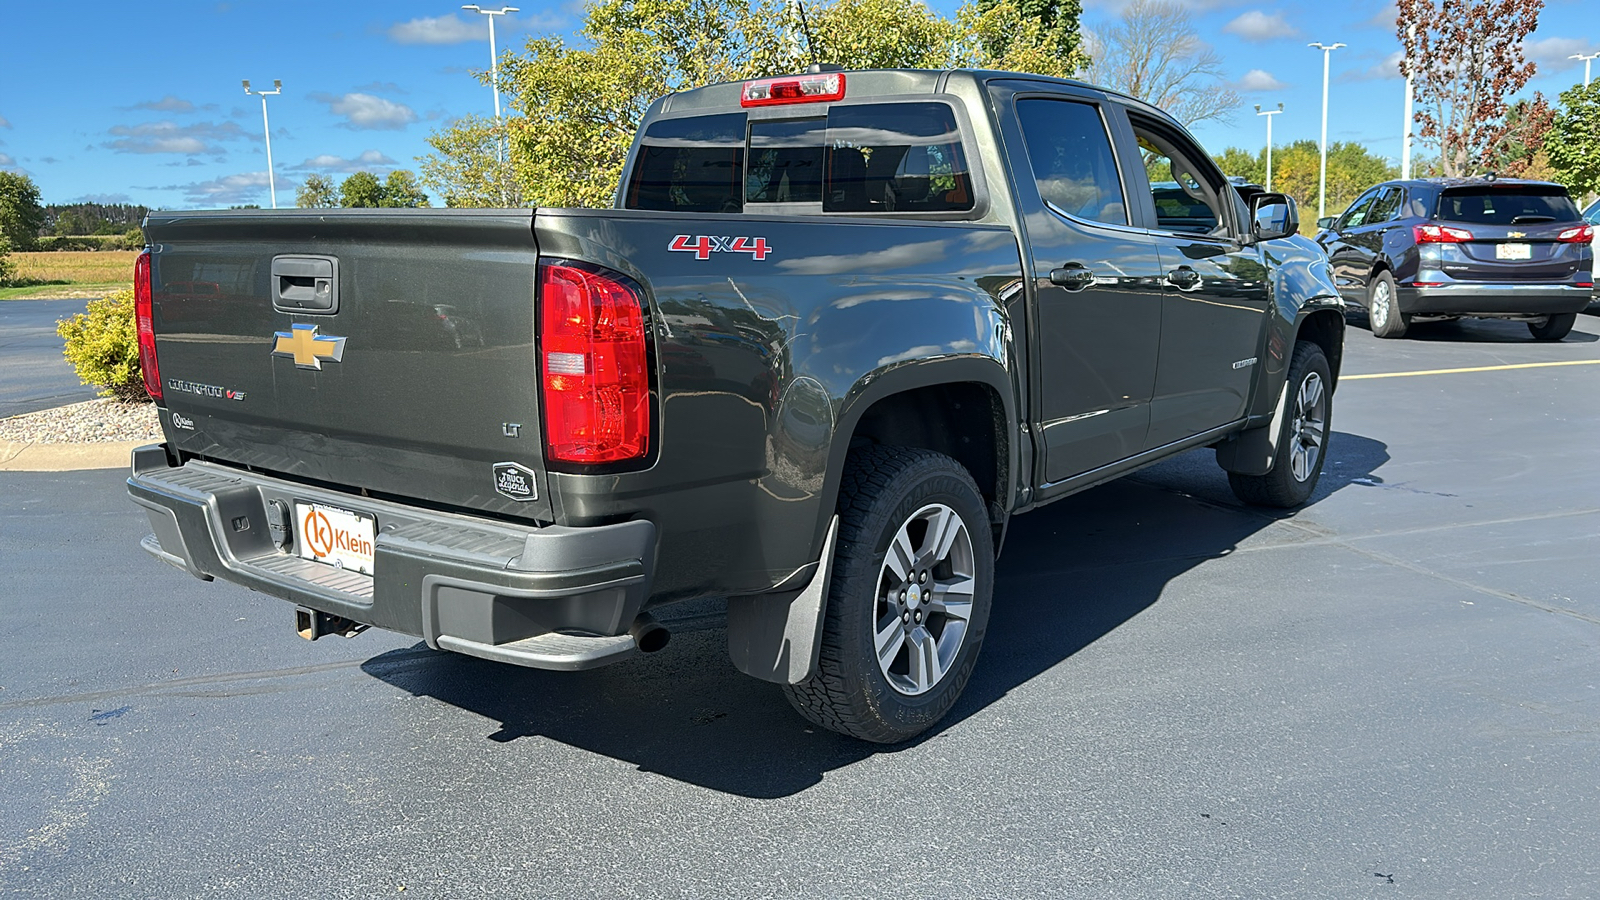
(144, 320)
(1583, 234)
(1440, 234)
(595, 371)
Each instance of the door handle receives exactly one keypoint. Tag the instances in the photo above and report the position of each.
(1072, 276)
(1184, 277)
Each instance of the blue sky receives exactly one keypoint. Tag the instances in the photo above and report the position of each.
(124, 102)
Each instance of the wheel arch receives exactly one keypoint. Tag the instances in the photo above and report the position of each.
(1325, 328)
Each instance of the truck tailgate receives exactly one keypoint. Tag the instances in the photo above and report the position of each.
(416, 383)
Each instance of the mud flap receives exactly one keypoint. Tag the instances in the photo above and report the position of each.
(1253, 452)
(776, 637)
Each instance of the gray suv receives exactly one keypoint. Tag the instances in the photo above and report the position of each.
(1448, 248)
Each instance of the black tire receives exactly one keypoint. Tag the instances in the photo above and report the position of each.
(1288, 484)
(884, 489)
(1553, 328)
(1383, 308)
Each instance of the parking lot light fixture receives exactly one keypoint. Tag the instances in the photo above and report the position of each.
(277, 88)
(1269, 113)
(1586, 61)
(1322, 187)
(494, 81)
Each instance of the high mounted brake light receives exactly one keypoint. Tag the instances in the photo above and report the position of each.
(1440, 234)
(144, 322)
(794, 89)
(1583, 234)
(595, 373)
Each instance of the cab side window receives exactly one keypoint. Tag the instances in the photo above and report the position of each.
(1187, 193)
(1070, 152)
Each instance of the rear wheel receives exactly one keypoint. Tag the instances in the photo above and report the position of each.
(1383, 308)
(913, 573)
(1553, 328)
(1302, 436)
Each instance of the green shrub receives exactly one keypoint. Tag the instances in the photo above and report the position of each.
(103, 346)
(8, 269)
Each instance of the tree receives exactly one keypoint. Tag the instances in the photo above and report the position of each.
(464, 168)
(1573, 143)
(1465, 58)
(400, 190)
(21, 216)
(1352, 168)
(318, 192)
(361, 190)
(1040, 36)
(8, 269)
(1153, 54)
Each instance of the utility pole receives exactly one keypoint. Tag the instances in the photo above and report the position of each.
(1322, 189)
(1586, 60)
(1405, 136)
(1269, 113)
(494, 80)
(277, 88)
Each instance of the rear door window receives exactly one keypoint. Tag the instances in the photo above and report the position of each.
(1520, 205)
(1070, 152)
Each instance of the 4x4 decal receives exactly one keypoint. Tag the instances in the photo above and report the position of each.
(703, 245)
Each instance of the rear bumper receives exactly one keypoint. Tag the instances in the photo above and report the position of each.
(1492, 299)
(552, 597)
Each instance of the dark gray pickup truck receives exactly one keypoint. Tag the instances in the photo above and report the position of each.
(837, 330)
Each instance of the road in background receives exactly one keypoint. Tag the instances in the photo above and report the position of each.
(33, 373)
(1395, 688)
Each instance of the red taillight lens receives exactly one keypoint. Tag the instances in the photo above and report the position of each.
(1583, 234)
(595, 371)
(144, 319)
(1440, 234)
(794, 89)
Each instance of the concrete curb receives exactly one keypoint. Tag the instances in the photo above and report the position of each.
(41, 457)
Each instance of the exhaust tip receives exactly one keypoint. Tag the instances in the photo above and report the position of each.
(649, 634)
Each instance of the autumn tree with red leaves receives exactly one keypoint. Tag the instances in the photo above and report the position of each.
(1466, 59)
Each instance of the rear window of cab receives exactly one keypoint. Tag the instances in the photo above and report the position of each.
(861, 158)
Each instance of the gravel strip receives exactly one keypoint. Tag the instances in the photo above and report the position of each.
(92, 422)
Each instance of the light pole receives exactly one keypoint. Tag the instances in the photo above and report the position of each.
(1269, 113)
(1405, 135)
(277, 88)
(494, 80)
(1322, 187)
(1586, 60)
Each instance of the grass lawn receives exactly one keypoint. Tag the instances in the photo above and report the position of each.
(73, 273)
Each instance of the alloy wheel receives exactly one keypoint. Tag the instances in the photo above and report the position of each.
(1308, 428)
(924, 599)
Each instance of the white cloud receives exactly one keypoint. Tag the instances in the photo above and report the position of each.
(108, 199)
(450, 29)
(170, 137)
(229, 190)
(1256, 25)
(1259, 80)
(1388, 17)
(1553, 54)
(1386, 68)
(168, 103)
(364, 111)
(327, 162)
(7, 161)
(4, 123)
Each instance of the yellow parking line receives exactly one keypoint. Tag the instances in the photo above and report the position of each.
(1540, 365)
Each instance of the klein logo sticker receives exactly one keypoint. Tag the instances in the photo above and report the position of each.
(703, 245)
(179, 420)
(515, 481)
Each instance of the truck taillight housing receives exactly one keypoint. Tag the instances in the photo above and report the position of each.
(1440, 234)
(814, 88)
(594, 366)
(144, 320)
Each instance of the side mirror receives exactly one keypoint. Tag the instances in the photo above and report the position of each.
(1273, 216)
(1326, 222)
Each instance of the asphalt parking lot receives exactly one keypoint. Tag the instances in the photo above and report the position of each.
(1392, 692)
(33, 374)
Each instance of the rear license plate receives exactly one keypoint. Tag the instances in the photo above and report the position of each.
(334, 536)
(1513, 251)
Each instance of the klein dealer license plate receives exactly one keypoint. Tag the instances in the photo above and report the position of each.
(337, 537)
(1513, 251)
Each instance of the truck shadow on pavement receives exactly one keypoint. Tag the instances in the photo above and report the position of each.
(1085, 564)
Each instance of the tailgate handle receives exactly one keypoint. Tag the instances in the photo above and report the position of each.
(305, 284)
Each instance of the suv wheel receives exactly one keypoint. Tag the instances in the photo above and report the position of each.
(913, 573)
(1302, 437)
(1383, 308)
(1553, 328)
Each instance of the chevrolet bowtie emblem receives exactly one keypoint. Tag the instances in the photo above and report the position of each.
(307, 348)
(1516, 234)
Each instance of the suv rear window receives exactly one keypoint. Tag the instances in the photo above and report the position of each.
(1520, 205)
(881, 157)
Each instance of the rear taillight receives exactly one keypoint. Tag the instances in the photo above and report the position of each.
(144, 319)
(794, 89)
(1440, 234)
(596, 374)
(1583, 234)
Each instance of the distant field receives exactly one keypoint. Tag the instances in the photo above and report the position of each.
(71, 273)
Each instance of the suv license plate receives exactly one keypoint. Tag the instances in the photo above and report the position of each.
(334, 536)
(1513, 251)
